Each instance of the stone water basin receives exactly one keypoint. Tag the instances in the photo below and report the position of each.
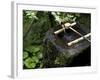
(59, 54)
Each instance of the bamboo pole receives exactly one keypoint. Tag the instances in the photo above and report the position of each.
(78, 40)
(67, 25)
(79, 34)
(59, 31)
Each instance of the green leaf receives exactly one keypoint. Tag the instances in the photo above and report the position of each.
(36, 49)
(57, 61)
(25, 54)
(35, 59)
(40, 55)
(32, 49)
(41, 65)
(29, 63)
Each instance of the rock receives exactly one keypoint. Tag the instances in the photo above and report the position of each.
(57, 53)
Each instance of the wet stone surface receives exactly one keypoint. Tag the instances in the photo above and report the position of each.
(59, 54)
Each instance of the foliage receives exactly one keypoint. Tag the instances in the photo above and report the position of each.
(35, 26)
(65, 17)
(35, 56)
(25, 54)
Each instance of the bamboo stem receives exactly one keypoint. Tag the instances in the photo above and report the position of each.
(79, 34)
(67, 25)
(78, 40)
